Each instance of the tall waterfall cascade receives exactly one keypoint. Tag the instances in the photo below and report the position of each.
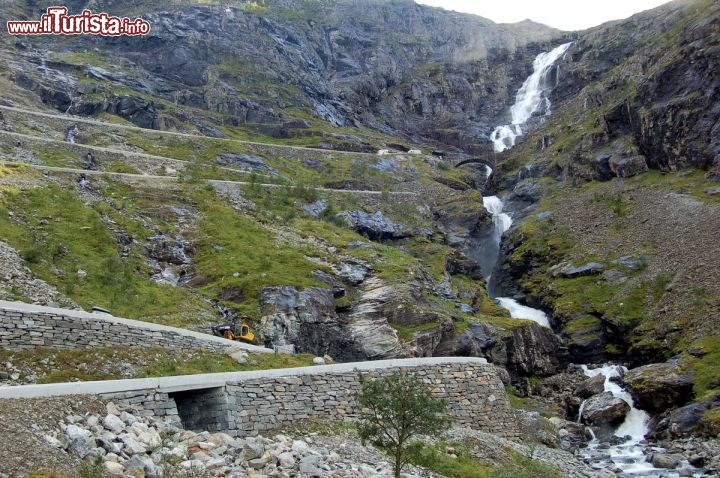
(532, 97)
(629, 456)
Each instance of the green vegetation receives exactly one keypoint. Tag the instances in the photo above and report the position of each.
(706, 378)
(66, 244)
(234, 252)
(395, 408)
(113, 363)
(207, 362)
(462, 464)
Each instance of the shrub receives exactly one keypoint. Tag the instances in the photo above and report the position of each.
(396, 408)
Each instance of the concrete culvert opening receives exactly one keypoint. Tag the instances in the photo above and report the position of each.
(203, 409)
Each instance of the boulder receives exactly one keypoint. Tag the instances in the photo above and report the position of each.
(114, 469)
(375, 226)
(459, 263)
(113, 423)
(590, 268)
(315, 209)
(572, 435)
(669, 462)
(309, 321)
(628, 166)
(604, 409)
(353, 272)
(245, 162)
(658, 387)
(590, 387)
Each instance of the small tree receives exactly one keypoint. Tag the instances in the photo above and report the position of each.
(394, 409)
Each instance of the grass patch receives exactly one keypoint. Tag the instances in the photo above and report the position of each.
(66, 244)
(463, 465)
(707, 373)
(208, 362)
(114, 363)
(406, 333)
(233, 251)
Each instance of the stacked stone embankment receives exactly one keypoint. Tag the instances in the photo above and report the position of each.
(25, 326)
(249, 403)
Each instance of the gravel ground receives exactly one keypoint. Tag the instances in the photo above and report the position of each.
(23, 425)
(680, 237)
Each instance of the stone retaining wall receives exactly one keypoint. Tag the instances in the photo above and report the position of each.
(24, 326)
(256, 405)
(474, 394)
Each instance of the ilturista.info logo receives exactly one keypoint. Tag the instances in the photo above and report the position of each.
(57, 22)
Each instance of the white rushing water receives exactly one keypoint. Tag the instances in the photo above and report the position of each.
(502, 222)
(628, 457)
(71, 134)
(530, 98)
(636, 421)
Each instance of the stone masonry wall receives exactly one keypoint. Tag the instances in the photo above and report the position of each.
(148, 403)
(247, 407)
(474, 394)
(28, 327)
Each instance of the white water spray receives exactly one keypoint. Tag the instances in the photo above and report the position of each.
(636, 421)
(502, 222)
(530, 98)
(71, 134)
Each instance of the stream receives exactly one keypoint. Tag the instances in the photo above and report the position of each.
(626, 455)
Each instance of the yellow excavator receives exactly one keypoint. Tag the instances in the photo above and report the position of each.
(235, 330)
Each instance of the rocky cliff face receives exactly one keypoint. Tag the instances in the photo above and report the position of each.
(399, 68)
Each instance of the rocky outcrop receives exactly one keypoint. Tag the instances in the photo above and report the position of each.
(375, 226)
(307, 320)
(245, 162)
(590, 387)
(529, 350)
(660, 386)
(604, 409)
(690, 420)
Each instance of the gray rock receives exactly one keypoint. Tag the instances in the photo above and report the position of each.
(114, 469)
(658, 387)
(590, 268)
(660, 460)
(604, 409)
(245, 162)
(108, 445)
(257, 463)
(352, 272)
(131, 445)
(74, 431)
(614, 277)
(113, 423)
(315, 209)
(142, 463)
(628, 166)
(128, 418)
(286, 460)
(590, 387)
(82, 446)
(375, 226)
(252, 450)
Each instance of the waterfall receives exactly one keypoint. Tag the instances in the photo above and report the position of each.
(530, 98)
(501, 223)
(636, 421)
(71, 134)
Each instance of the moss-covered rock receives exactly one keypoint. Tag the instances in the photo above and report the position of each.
(659, 386)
